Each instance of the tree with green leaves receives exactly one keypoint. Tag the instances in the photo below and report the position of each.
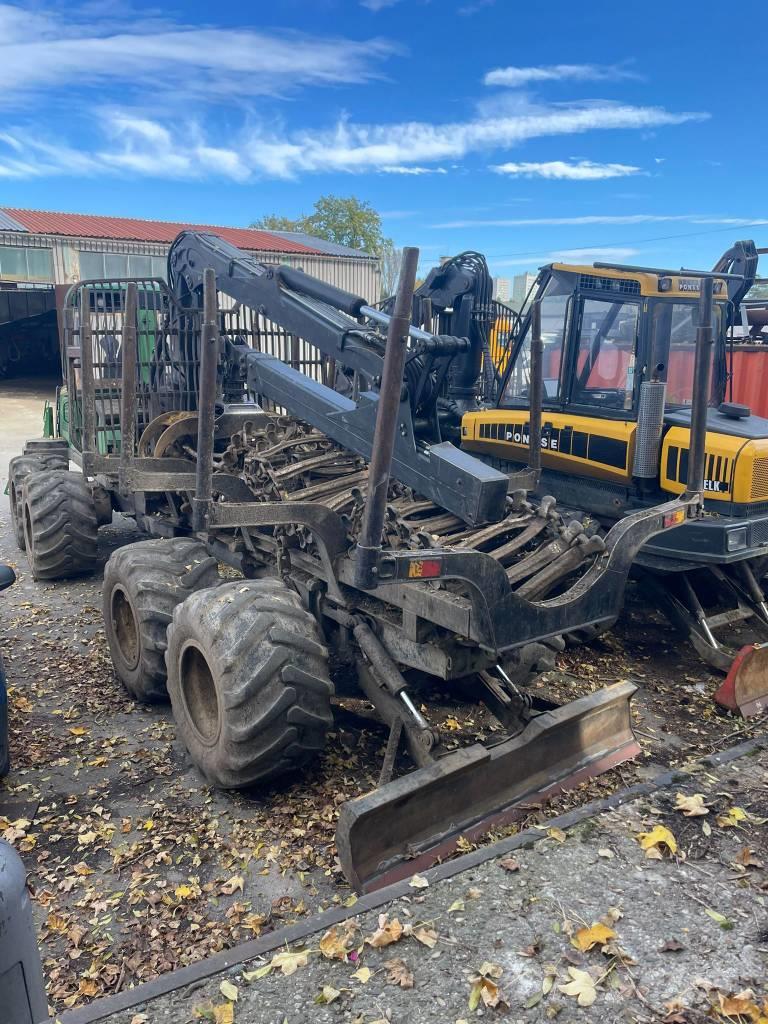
(344, 220)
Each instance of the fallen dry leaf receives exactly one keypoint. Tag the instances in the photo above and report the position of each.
(484, 988)
(653, 842)
(747, 859)
(338, 940)
(426, 936)
(228, 990)
(596, 935)
(581, 987)
(386, 933)
(328, 995)
(509, 864)
(557, 834)
(732, 817)
(456, 907)
(232, 885)
(363, 975)
(398, 973)
(418, 882)
(691, 806)
(741, 1007)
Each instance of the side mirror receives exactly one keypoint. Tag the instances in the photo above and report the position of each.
(7, 576)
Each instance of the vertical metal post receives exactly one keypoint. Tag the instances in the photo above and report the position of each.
(701, 375)
(536, 390)
(206, 402)
(387, 411)
(86, 376)
(128, 396)
(426, 314)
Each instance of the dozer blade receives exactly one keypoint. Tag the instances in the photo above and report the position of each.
(745, 689)
(410, 823)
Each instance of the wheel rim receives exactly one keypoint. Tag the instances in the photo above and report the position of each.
(28, 529)
(125, 628)
(13, 501)
(198, 693)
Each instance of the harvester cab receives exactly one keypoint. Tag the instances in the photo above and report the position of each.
(250, 414)
(618, 370)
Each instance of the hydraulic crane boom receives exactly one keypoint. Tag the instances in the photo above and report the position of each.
(347, 330)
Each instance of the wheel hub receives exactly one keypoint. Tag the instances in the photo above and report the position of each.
(125, 628)
(199, 694)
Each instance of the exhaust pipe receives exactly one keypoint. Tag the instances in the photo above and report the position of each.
(704, 342)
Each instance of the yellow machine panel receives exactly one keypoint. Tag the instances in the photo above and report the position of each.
(650, 283)
(735, 469)
(582, 445)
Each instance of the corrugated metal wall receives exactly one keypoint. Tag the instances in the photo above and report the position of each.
(361, 276)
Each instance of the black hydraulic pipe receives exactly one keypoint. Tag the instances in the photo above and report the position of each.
(305, 284)
(390, 391)
(536, 389)
(128, 399)
(209, 358)
(701, 371)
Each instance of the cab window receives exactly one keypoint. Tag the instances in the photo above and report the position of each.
(605, 356)
(674, 343)
(554, 310)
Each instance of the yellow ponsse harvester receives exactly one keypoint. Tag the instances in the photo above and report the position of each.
(618, 362)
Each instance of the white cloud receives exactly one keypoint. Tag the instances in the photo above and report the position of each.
(40, 52)
(141, 145)
(630, 218)
(515, 77)
(378, 5)
(401, 169)
(361, 147)
(583, 170)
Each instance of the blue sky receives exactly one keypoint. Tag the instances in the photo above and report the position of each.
(528, 131)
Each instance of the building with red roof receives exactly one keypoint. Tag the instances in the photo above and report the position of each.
(43, 252)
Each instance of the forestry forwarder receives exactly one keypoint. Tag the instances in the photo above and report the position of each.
(330, 511)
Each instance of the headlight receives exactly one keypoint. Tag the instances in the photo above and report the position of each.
(736, 540)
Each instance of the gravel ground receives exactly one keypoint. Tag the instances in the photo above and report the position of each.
(678, 934)
(136, 867)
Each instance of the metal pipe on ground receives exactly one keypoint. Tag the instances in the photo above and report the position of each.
(369, 544)
(206, 411)
(128, 397)
(701, 371)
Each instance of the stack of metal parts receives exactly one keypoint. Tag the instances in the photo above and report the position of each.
(286, 460)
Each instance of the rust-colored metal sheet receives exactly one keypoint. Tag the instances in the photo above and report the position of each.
(408, 824)
(745, 689)
(79, 225)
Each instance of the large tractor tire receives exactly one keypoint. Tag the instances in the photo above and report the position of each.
(47, 446)
(248, 682)
(143, 584)
(60, 526)
(19, 469)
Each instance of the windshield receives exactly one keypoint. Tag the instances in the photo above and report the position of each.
(674, 336)
(605, 362)
(554, 308)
